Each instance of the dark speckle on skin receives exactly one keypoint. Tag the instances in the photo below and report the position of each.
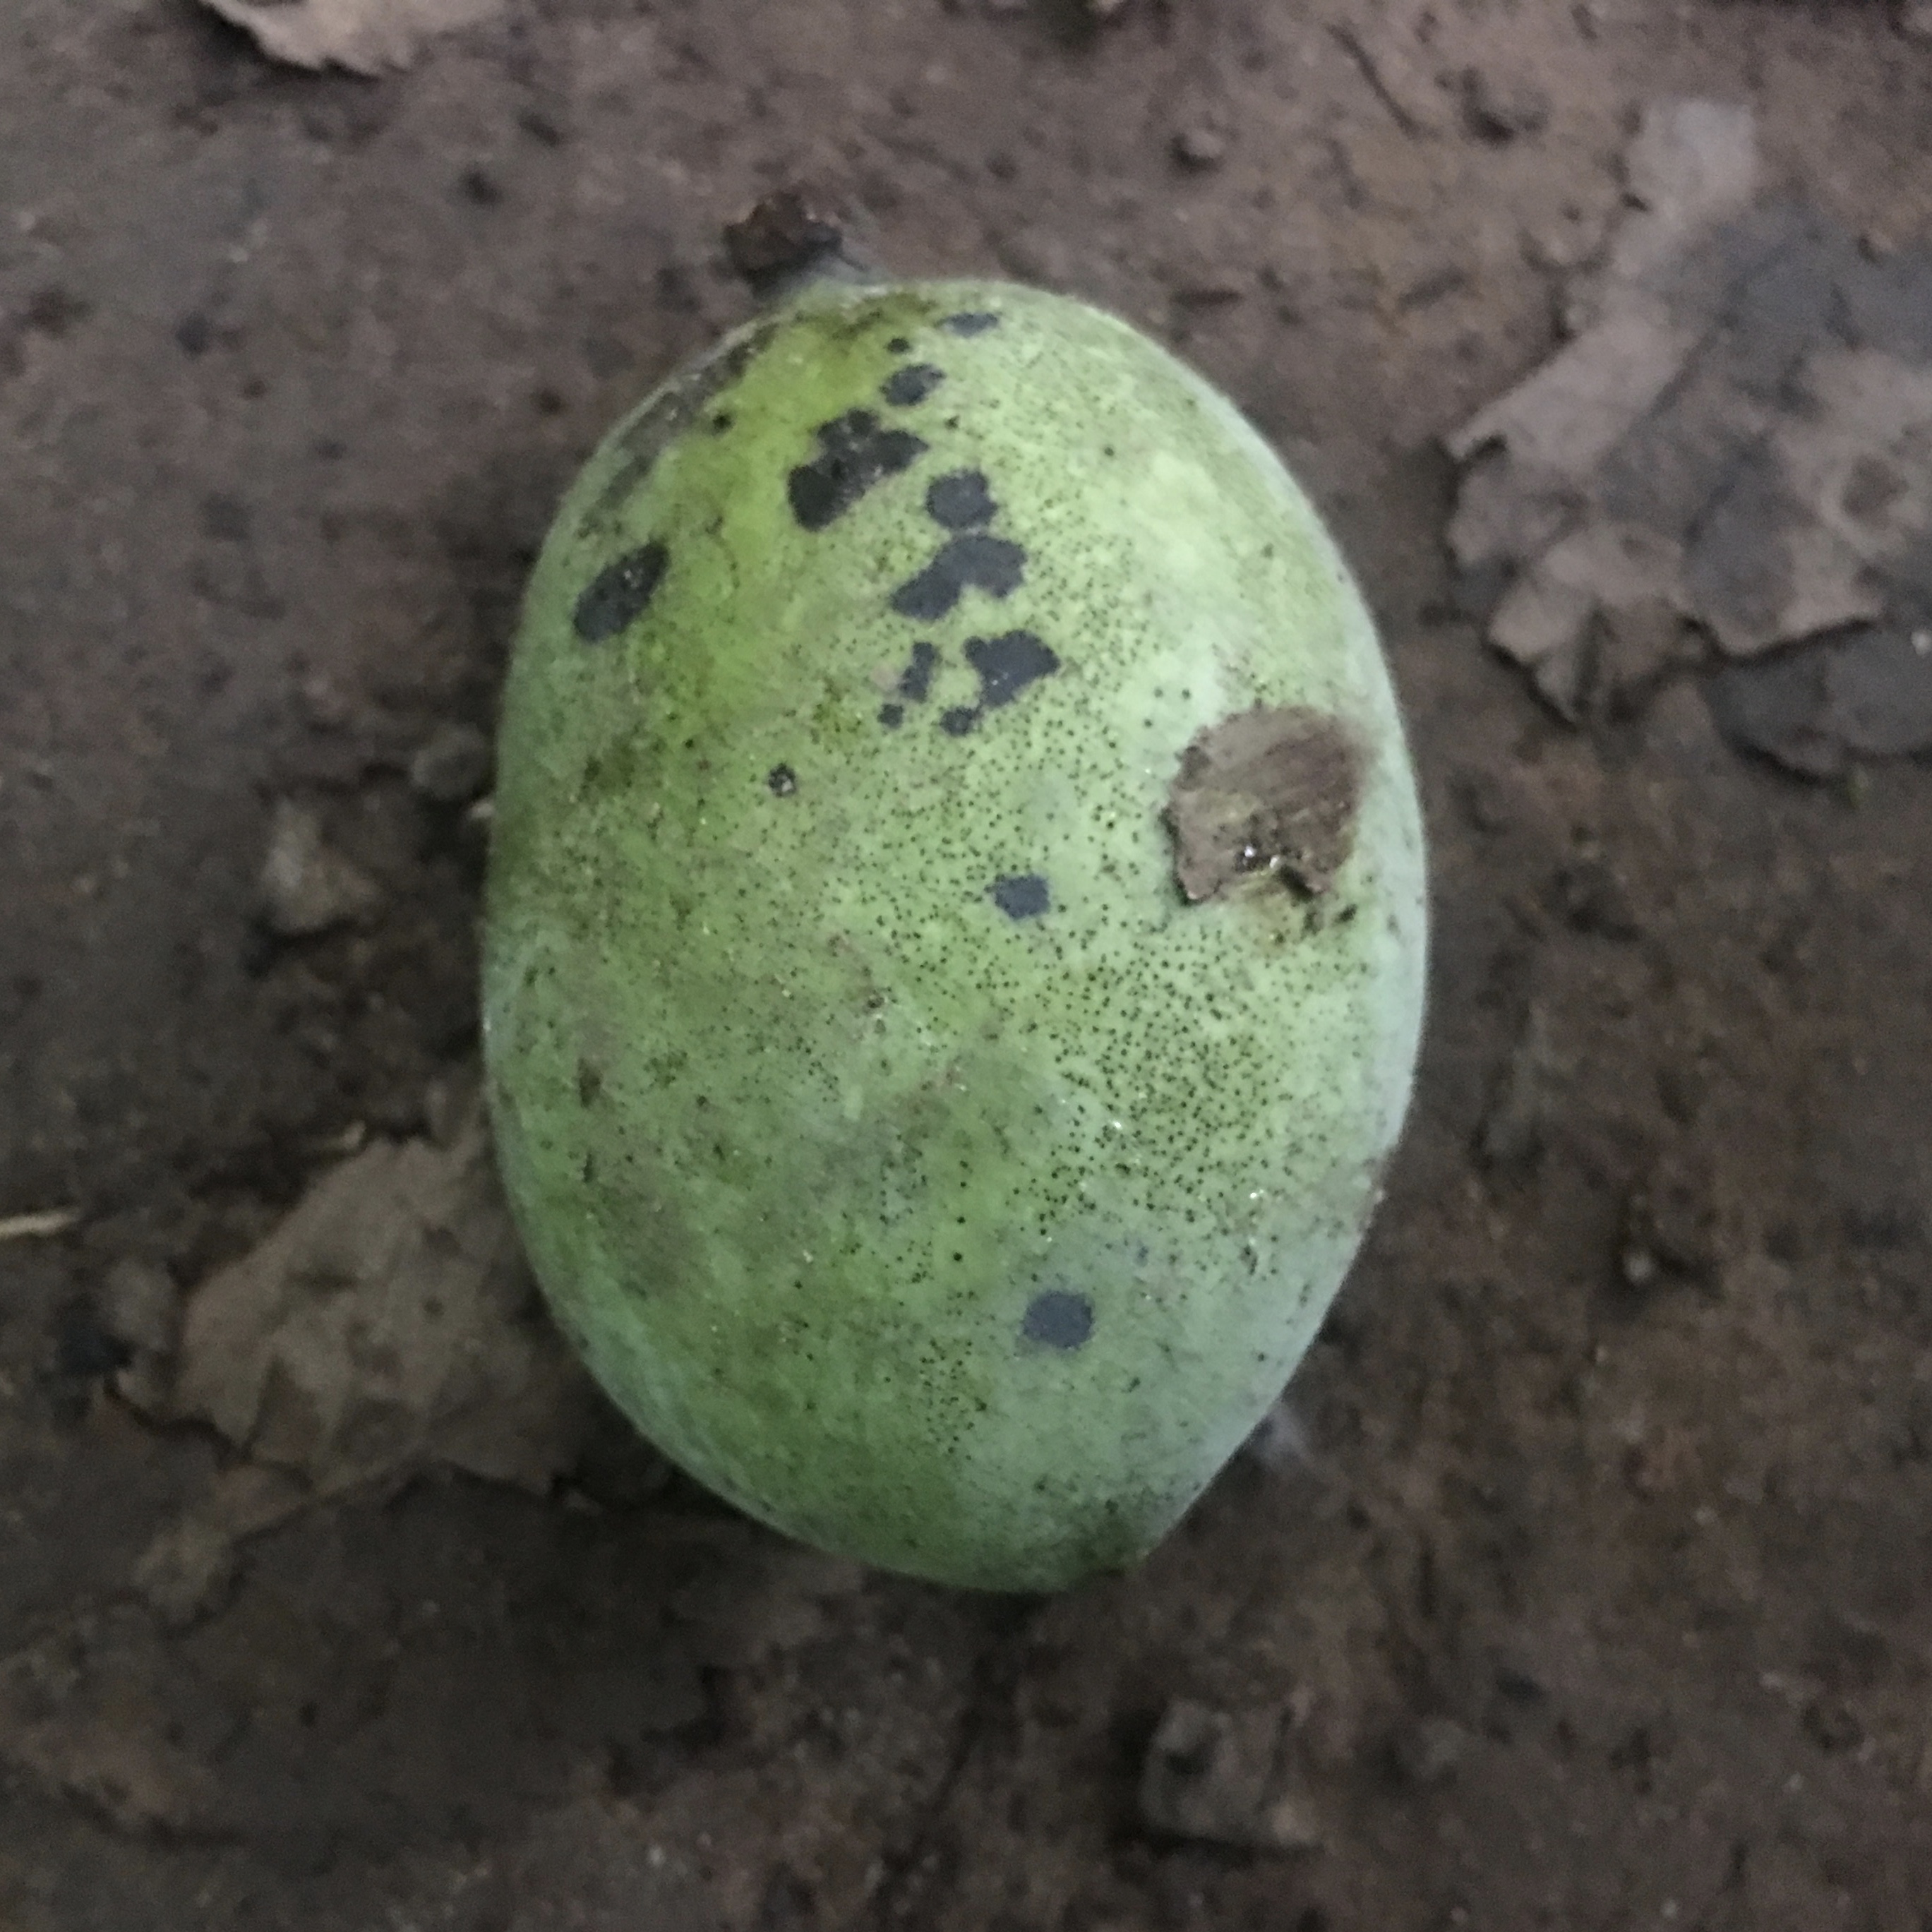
(1008, 664)
(589, 1082)
(961, 501)
(912, 384)
(855, 451)
(916, 680)
(620, 592)
(1020, 895)
(1056, 1318)
(960, 720)
(721, 422)
(782, 780)
(898, 346)
(969, 321)
(891, 716)
(972, 561)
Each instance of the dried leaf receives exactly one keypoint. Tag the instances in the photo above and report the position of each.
(366, 36)
(1741, 434)
(388, 1322)
(1813, 710)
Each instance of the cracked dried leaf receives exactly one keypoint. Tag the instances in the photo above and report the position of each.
(1740, 432)
(366, 36)
(386, 1323)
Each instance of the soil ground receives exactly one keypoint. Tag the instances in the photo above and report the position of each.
(1602, 1606)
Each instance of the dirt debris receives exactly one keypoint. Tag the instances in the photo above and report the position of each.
(110, 1754)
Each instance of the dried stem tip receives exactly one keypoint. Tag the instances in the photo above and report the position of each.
(790, 237)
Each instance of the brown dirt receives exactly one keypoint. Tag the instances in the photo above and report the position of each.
(292, 370)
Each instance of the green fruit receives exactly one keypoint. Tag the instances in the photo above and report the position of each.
(954, 944)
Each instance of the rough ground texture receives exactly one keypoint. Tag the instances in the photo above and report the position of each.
(1590, 1588)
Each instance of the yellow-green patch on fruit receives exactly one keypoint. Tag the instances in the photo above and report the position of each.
(955, 940)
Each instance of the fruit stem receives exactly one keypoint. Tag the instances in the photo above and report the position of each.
(790, 240)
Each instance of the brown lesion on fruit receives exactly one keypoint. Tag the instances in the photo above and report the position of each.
(1270, 793)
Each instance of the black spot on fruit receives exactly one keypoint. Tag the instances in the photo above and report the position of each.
(891, 716)
(782, 780)
(974, 561)
(620, 592)
(855, 451)
(721, 422)
(916, 680)
(1276, 789)
(589, 1082)
(898, 346)
(961, 501)
(960, 720)
(1020, 895)
(912, 384)
(1057, 1318)
(969, 321)
(1008, 664)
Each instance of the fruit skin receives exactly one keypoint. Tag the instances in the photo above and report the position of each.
(906, 1154)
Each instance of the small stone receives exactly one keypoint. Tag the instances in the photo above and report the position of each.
(1588, 896)
(1106, 10)
(1501, 108)
(1670, 1225)
(1914, 19)
(1201, 147)
(1213, 1775)
(1565, 244)
(307, 888)
(473, 829)
(453, 765)
(324, 706)
(1428, 1751)
(449, 1103)
(1037, 255)
(1512, 1132)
